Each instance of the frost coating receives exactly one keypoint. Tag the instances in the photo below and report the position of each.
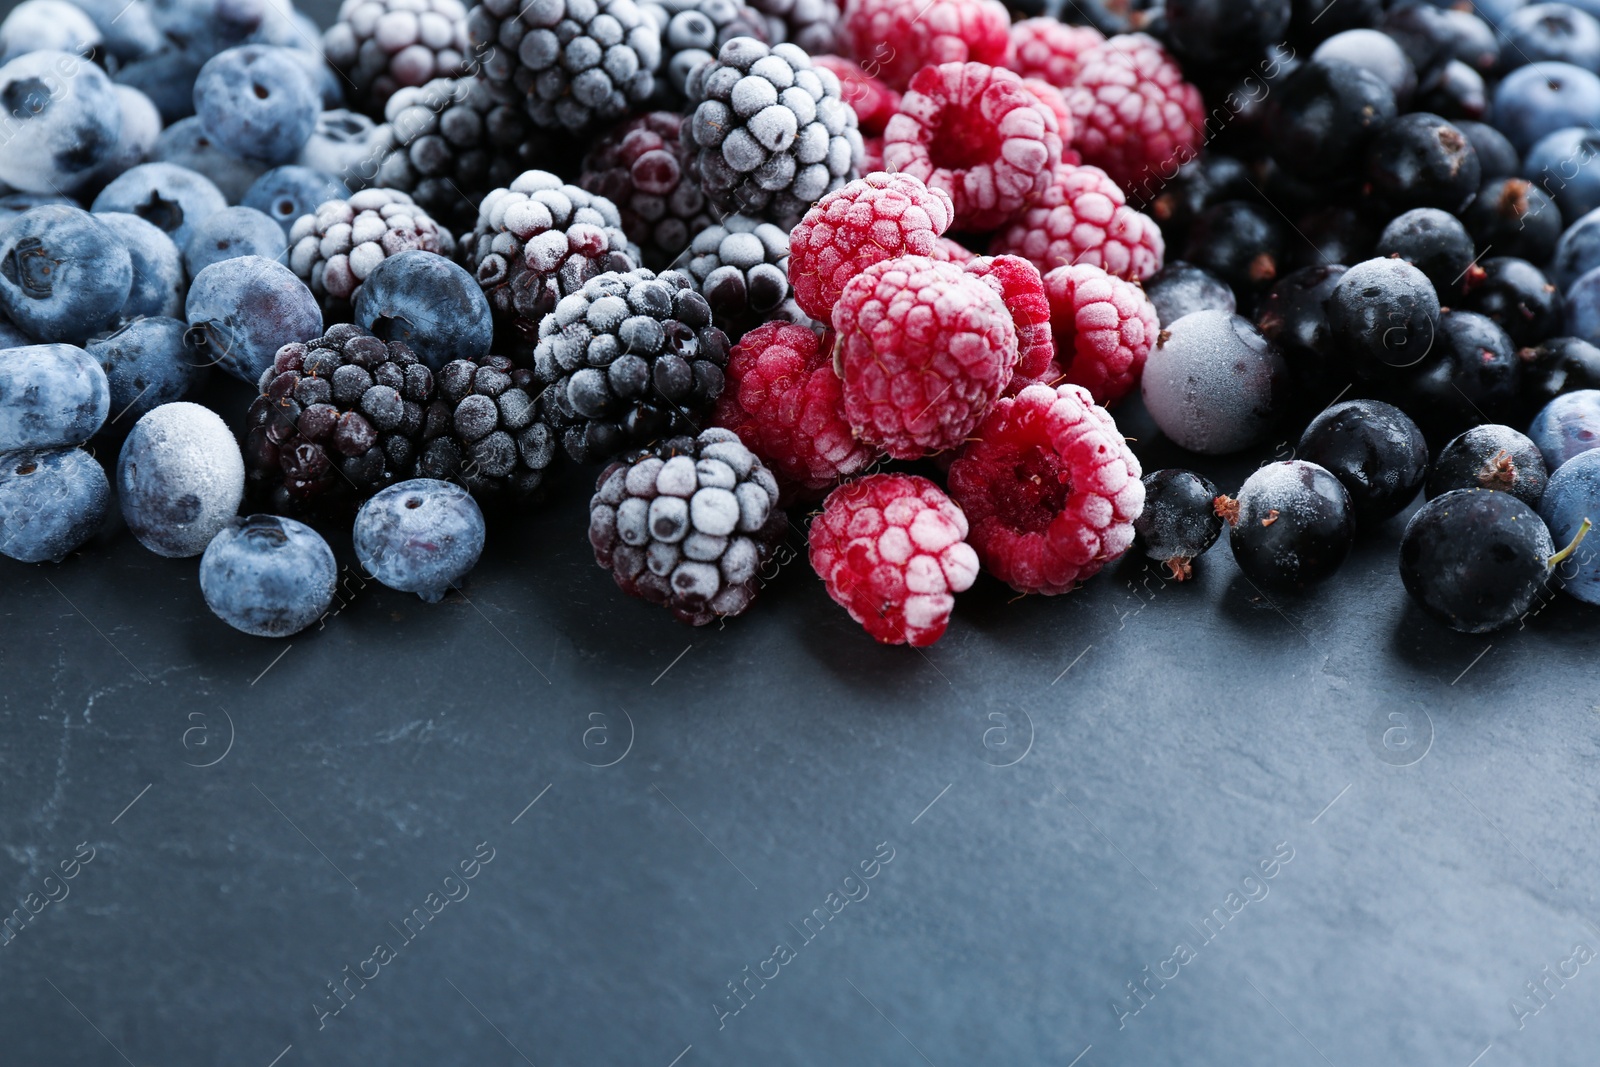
(1213, 384)
(50, 396)
(180, 478)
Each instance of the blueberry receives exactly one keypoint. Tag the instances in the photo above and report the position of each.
(241, 311)
(50, 502)
(420, 536)
(1433, 241)
(1373, 51)
(1375, 451)
(1384, 317)
(62, 121)
(126, 29)
(1496, 156)
(1179, 521)
(1517, 295)
(169, 197)
(1567, 426)
(1432, 37)
(14, 204)
(63, 273)
(202, 28)
(50, 396)
(1421, 160)
(1563, 165)
(148, 363)
(348, 145)
(10, 336)
(1326, 113)
(1475, 558)
(1571, 508)
(159, 283)
(429, 304)
(47, 26)
(1490, 457)
(1213, 384)
(167, 77)
(234, 232)
(257, 102)
(1293, 525)
(1578, 251)
(268, 576)
(1556, 32)
(286, 193)
(1541, 98)
(1583, 306)
(1454, 91)
(180, 478)
(1180, 289)
(187, 144)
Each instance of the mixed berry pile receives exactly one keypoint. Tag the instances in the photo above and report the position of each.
(875, 276)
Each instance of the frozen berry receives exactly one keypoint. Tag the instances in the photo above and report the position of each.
(1137, 118)
(1384, 317)
(1294, 525)
(1516, 218)
(1560, 365)
(1517, 295)
(1374, 449)
(1490, 457)
(1476, 559)
(873, 101)
(1049, 49)
(1181, 288)
(180, 478)
(421, 536)
(893, 40)
(1433, 241)
(1179, 522)
(642, 168)
(1420, 160)
(1103, 329)
(1566, 426)
(1083, 217)
(268, 576)
(1213, 384)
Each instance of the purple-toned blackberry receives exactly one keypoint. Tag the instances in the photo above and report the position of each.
(539, 240)
(770, 134)
(486, 432)
(573, 63)
(337, 419)
(691, 33)
(741, 267)
(384, 45)
(643, 168)
(687, 524)
(628, 359)
(337, 246)
(811, 24)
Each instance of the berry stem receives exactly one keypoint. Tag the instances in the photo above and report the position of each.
(1562, 556)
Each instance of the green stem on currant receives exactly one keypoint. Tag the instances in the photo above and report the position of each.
(1562, 556)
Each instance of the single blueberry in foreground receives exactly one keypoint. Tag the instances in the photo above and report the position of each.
(420, 536)
(268, 576)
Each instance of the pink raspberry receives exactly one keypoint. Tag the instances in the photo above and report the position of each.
(952, 251)
(787, 405)
(1048, 49)
(871, 155)
(1022, 289)
(1051, 489)
(890, 549)
(874, 102)
(893, 39)
(977, 133)
(1056, 101)
(1103, 326)
(1084, 218)
(1137, 117)
(872, 219)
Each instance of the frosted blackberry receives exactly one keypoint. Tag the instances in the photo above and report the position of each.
(485, 431)
(643, 168)
(770, 134)
(539, 240)
(572, 62)
(383, 45)
(811, 24)
(687, 524)
(448, 143)
(633, 357)
(335, 248)
(741, 267)
(338, 418)
(691, 33)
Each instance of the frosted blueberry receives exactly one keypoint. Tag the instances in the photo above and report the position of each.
(429, 304)
(169, 197)
(180, 478)
(159, 281)
(241, 311)
(187, 144)
(50, 396)
(420, 536)
(285, 193)
(63, 274)
(62, 121)
(257, 102)
(268, 576)
(50, 503)
(148, 363)
(230, 233)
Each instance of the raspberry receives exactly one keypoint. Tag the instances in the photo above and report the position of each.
(975, 132)
(872, 219)
(874, 102)
(1103, 327)
(642, 167)
(1047, 49)
(1084, 218)
(924, 349)
(1051, 488)
(787, 405)
(891, 550)
(1137, 117)
(871, 155)
(893, 39)
(1022, 289)
(948, 250)
(1056, 102)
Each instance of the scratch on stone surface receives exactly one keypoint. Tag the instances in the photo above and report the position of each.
(421, 727)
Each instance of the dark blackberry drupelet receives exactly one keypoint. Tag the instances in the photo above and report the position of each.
(629, 358)
(688, 524)
(741, 267)
(691, 33)
(379, 46)
(486, 432)
(643, 168)
(338, 418)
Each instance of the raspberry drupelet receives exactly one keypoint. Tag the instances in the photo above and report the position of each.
(891, 550)
(893, 39)
(1103, 328)
(1137, 119)
(1050, 487)
(1021, 286)
(1083, 217)
(1049, 50)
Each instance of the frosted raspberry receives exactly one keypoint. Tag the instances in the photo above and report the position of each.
(890, 548)
(1048, 49)
(1103, 326)
(893, 39)
(787, 405)
(871, 154)
(924, 349)
(1137, 117)
(947, 250)
(1056, 101)
(1021, 287)
(874, 102)
(975, 132)
(1084, 218)
(870, 220)
(1051, 489)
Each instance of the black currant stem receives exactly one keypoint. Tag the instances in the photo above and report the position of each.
(1562, 556)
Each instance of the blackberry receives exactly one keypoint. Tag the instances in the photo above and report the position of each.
(687, 524)
(337, 419)
(770, 134)
(643, 168)
(691, 33)
(741, 267)
(539, 240)
(631, 357)
(573, 63)
(487, 432)
(381, 45)
(449, 142)
(335, 248)
(811, 24)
